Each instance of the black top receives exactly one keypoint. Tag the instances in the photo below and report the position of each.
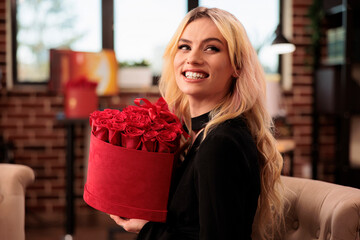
(214, 191)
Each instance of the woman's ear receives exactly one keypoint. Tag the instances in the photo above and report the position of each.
(236, 74)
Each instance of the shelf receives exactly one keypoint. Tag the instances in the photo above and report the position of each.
(152, 89)
(329, 63)
(337, 88)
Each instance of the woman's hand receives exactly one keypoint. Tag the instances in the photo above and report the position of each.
(130, 225)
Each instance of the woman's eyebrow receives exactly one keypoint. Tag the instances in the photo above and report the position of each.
(213, 39)
(204, 41)
(184, 40)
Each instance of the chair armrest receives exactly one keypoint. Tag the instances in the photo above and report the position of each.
(14, 178)
(321, 210)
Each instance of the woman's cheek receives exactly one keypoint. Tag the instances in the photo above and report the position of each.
(178, 68)
(177, 63)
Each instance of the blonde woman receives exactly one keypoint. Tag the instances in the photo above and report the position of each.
(212, 80)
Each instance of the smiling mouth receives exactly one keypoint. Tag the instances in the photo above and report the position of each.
(195, 75)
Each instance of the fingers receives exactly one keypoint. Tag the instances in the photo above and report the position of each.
(119, 221)
(134, 225)
(126, 223)
(129, 225)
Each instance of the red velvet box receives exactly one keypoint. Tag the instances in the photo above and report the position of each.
(80, 101)
(127, 182)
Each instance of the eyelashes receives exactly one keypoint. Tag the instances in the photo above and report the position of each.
(212, 48)
(186, 47)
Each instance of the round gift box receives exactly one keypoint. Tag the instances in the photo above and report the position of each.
(127, 182)
(80, 102)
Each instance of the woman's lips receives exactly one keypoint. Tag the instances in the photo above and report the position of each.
(192, 75)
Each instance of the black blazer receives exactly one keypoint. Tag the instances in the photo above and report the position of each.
(215, 190)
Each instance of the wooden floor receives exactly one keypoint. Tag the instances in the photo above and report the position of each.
(103, 229)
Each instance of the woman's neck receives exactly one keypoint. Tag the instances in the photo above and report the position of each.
(198, 108)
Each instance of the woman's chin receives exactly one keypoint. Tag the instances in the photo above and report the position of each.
(192, 90)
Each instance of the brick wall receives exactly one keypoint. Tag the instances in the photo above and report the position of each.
(28, 120)
(299, 102)
(299, 99)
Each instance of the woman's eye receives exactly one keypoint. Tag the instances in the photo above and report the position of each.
(184, 47)
(212, 49)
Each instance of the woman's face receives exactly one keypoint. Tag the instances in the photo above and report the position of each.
(202, 65)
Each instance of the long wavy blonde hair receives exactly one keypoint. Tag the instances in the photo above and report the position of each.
(245, 97)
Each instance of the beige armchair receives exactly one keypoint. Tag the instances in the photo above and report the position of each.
(14, 178)
(321, 210)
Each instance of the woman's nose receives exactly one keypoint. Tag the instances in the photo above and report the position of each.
(195, 57)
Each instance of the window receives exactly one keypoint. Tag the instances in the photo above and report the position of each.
(142, 33)
(44, 24)
(143, 28)
(260, 19)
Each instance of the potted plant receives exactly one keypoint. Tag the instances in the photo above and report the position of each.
(134, 74)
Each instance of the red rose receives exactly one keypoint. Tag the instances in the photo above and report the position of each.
(115, 130)
(175, 127)
(100, 129)
(102, 115)
(158, 124)
(149, 142)
(168, 141)
(93, 116)
(138, 119)
(111, 112)
(120, 117)
(168, 117)
(135, 109)
(131, 138)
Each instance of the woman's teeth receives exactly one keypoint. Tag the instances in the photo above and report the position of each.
(194, 75)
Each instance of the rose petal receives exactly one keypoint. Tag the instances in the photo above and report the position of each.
(149, 142)
(158, 124)
(120, 117)
(102, 133)
(168, 140)
(93, 116)
(111, 112)
(137, 120)
(131, 138)
(115, 131)
(168, 117)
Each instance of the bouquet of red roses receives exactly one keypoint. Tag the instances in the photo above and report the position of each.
(131, 160)
(150, 127)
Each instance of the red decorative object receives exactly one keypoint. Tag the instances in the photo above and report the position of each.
(80, 98)
(67, 65)
(131, 160)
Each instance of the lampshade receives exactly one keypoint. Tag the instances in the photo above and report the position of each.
(281, 45)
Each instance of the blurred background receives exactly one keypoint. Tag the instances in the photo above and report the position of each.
(313, 91)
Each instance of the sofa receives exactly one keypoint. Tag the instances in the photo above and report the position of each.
(320, 210)
(14, 178)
